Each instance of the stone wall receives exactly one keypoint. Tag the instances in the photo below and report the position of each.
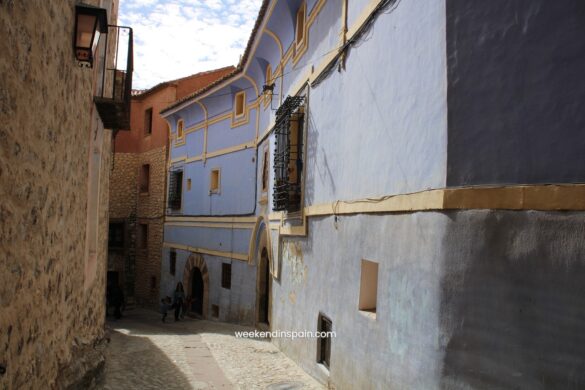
(48, 318)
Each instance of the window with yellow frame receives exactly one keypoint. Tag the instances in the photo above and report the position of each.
(301, 24)
(180, 130)
(240, 104)
(268, 93)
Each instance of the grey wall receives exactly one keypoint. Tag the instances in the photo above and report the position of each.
(515, 91)
(471, 299)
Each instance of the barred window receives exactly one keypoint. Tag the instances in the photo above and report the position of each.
(226, 275)
(175, 189)
(288, 155)
(173, 262)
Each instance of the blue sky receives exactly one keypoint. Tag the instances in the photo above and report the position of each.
(176, 38)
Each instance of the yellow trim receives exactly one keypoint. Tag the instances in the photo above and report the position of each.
(220, 152)
(219, 118)
(211, 219)
(228, 255)
(212, 225)
(268, 94)
(194, 158)
(553, 197)
(232, 149)
(253, 82)
(276, 39)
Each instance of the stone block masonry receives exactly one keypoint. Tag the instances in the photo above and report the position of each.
(48, 319)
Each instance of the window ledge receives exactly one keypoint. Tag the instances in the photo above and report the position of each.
(368, 313)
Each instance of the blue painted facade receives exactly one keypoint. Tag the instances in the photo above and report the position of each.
(377, 123)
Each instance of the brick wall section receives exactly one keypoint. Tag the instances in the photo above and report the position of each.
(123, 182)
(47, 318)
(150, 210)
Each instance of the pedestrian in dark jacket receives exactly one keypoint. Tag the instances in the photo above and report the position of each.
(178, 298)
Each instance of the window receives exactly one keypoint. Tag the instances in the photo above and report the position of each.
(180, 132)
(116, 235)
(143, 235)
(188, 184)
(215, 311)
(175, 189)
(324, 343)
(148, 122)
(153, 282)
(368, 287)
(240, 104)
(172, 261)
(300, 25)
(144, 178)
(265, 171)
(226, 275)
(214, 181)
(288, 155)
(268, 91)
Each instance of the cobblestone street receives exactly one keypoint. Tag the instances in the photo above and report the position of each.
(145, 353)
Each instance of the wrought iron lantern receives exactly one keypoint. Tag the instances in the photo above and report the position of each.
(90, 23)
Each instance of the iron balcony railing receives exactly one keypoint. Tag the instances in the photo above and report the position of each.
(114, 91)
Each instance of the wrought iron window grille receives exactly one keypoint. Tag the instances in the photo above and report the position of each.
(288, 155)
(175, 190)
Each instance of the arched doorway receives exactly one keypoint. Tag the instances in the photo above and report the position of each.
(264, 287)
(196, 291)
(196, 282)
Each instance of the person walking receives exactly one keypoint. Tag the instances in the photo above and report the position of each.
(178, 298)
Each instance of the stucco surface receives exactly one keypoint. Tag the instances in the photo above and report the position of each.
(515, 91)
(471, 299)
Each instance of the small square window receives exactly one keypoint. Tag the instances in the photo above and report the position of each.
(144, 178)
(153, 282)
(240, 104)
(143, 238)
(214, 181)
(226, 275)
(188, 184)
(368, 287)
(148, 122)
(173, 262)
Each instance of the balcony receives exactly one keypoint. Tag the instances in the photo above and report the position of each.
(114, 90)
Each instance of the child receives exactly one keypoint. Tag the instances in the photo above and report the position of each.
(165, 305)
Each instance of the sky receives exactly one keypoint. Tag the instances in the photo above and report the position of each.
(177, 38)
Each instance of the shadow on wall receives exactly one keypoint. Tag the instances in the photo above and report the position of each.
(513, 301)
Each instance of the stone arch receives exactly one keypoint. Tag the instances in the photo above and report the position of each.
(196, 260)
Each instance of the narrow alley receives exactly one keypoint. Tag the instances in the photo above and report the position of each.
(145, 353)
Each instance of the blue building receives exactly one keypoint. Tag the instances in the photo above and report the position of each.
(404, 173)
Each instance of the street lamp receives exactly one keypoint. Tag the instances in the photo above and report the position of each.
(90, 21)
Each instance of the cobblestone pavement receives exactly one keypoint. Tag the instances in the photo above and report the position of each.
(145, 353)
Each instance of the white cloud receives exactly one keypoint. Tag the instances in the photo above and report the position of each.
(176, 38)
